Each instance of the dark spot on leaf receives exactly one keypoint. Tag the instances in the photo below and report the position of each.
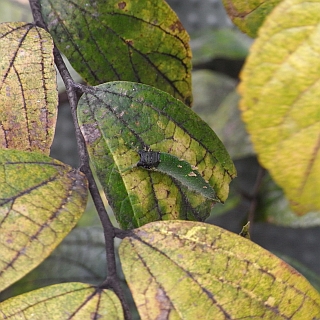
(122, 5)
(177, 25)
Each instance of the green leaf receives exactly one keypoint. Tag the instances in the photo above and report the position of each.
(245, 232)
(64, 301)
(41, 200)
(120, 119)
(188, 270)
(216, 102)
(209, 90)
(133, 40)
(224, 43)
(280, 101)
(28, 89)
(248, 16)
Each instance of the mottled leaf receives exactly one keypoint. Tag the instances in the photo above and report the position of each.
(120, 119)
(248, 16)
(188, 270)
(280, 100)
(41, 200)
(28, 89)
(80, 257)
(311, 276)
(133, 40)
(64, 301)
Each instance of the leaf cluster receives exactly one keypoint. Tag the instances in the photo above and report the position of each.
(160, 166)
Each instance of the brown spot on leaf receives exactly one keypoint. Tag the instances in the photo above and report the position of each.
(122, 5)
(177, 26)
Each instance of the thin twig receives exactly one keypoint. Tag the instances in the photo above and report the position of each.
(254, 196)
(110, 231)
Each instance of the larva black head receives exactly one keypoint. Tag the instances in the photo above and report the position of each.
(148, 159)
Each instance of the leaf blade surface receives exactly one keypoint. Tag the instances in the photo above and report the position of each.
(120, 119)
(28, 89)
(195, 270)
(134, 40)
(41, 200)
(280, 93)
(64, 301)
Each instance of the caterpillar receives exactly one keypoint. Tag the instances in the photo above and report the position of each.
(179, 169)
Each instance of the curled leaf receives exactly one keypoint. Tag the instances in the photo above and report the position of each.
(179, 169)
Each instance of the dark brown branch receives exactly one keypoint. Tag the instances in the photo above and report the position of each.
(112, 280)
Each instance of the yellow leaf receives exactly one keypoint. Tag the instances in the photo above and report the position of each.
(63, 301)
(280, 100)
(191, 270)
(28, 89)
(41, 200)
(248, 16)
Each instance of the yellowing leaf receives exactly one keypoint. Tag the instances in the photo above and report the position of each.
(28, 90)
(248, 16)
(191, 270)
(63, 301)
(280, 100)
(41, 200)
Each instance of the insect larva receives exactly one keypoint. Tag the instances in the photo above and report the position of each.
(180, 170)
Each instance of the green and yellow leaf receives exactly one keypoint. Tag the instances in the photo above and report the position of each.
(280, 100)
(120, 119)
(191, 270)
(132, 40)
(41, 200)
(64, 301)
(248, 16)
(28, 89)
